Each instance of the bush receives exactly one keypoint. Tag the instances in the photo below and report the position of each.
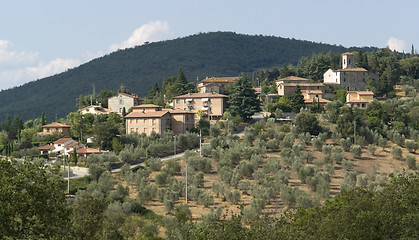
(349, 180)
(317, 144)
(154, 164)
(337, 155)
(347, 164)
(356, 151)
(372, 148)
(396, 152)
(411, 146)
(411, 162)
(346, 144)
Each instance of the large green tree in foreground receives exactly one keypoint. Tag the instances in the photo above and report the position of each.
(32, 203)
(242, 98)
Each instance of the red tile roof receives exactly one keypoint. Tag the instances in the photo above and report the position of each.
(130, 95)
(201, 95)
(321, 100)
(347, 53)
(303, 84)
(156, 114)
(219, 80)
(73, 144)
(63, 140)
(56, 125)
(147, 106)
(293, 78)
(46, 147)
(352, 70)
(179, 111)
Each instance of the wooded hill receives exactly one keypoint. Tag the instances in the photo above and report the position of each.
(201, 55)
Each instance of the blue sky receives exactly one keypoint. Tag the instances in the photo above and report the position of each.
(42, 38)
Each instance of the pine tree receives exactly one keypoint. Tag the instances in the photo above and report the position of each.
(297, 100)
(43, 119)
(242, 98)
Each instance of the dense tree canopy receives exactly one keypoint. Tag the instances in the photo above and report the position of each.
(32, 203)
(242, 99)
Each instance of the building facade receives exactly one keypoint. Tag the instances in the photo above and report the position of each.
(349, 77)
(62, 128)
(148, 118)
(217, 85)
(123, 100)
(359, 98)
(206, 105)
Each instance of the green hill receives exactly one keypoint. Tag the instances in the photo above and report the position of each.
(201, 55)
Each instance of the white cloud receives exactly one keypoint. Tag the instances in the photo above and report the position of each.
(10, 58)
(397, 44)
(150, 32)
(15, 77)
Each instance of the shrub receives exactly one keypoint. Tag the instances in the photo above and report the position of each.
(349, 180)
(346, 144)
(154, 164)
(356, 151)
(347, 164)
(372, 148)
(411, 162)
(337, 155)
(396, 152)
(317, 144)
(411, 146)
(382, 142)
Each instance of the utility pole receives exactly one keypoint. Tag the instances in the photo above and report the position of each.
(68, 176)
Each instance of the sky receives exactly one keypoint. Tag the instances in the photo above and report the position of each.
(43, 38)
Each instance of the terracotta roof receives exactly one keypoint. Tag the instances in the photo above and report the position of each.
(98, 108)
(293, 78)
(352, 70)
(156, 114)
(219, 80)
(130, 95)
(368, 93)
(57, 125)
(303, 84)
(331, 83)
(321, 100)
(63, 140)
(147, 106)
(201, 95)
(87, 150)
(46, 147)
(358, 101)
(73, 144)
(347, 53)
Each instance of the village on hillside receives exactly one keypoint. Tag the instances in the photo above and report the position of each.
(226, 148)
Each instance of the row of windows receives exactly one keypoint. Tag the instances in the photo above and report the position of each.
(153, 121)
(184, 101)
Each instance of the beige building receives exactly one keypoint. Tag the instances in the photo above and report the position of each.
(217, 85)
(314, 96)
(359, 98)
(147, 118)
(56, 127)
(292, 79)
(95, 110)
(123, 100)
(207, 105)
(287, 89)
(349, 77)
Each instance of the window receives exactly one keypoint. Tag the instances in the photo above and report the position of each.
(153, 122)
(363, 79)
(177, 101)
(318, 87)
(121, 101)
(144, 130)
(120, 110)
(184, 100)
(209, 100)
(344, 79)
(144, 121)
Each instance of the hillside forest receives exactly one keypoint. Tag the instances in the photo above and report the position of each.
(336, 172)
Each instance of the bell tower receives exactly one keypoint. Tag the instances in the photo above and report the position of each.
(347, 60)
